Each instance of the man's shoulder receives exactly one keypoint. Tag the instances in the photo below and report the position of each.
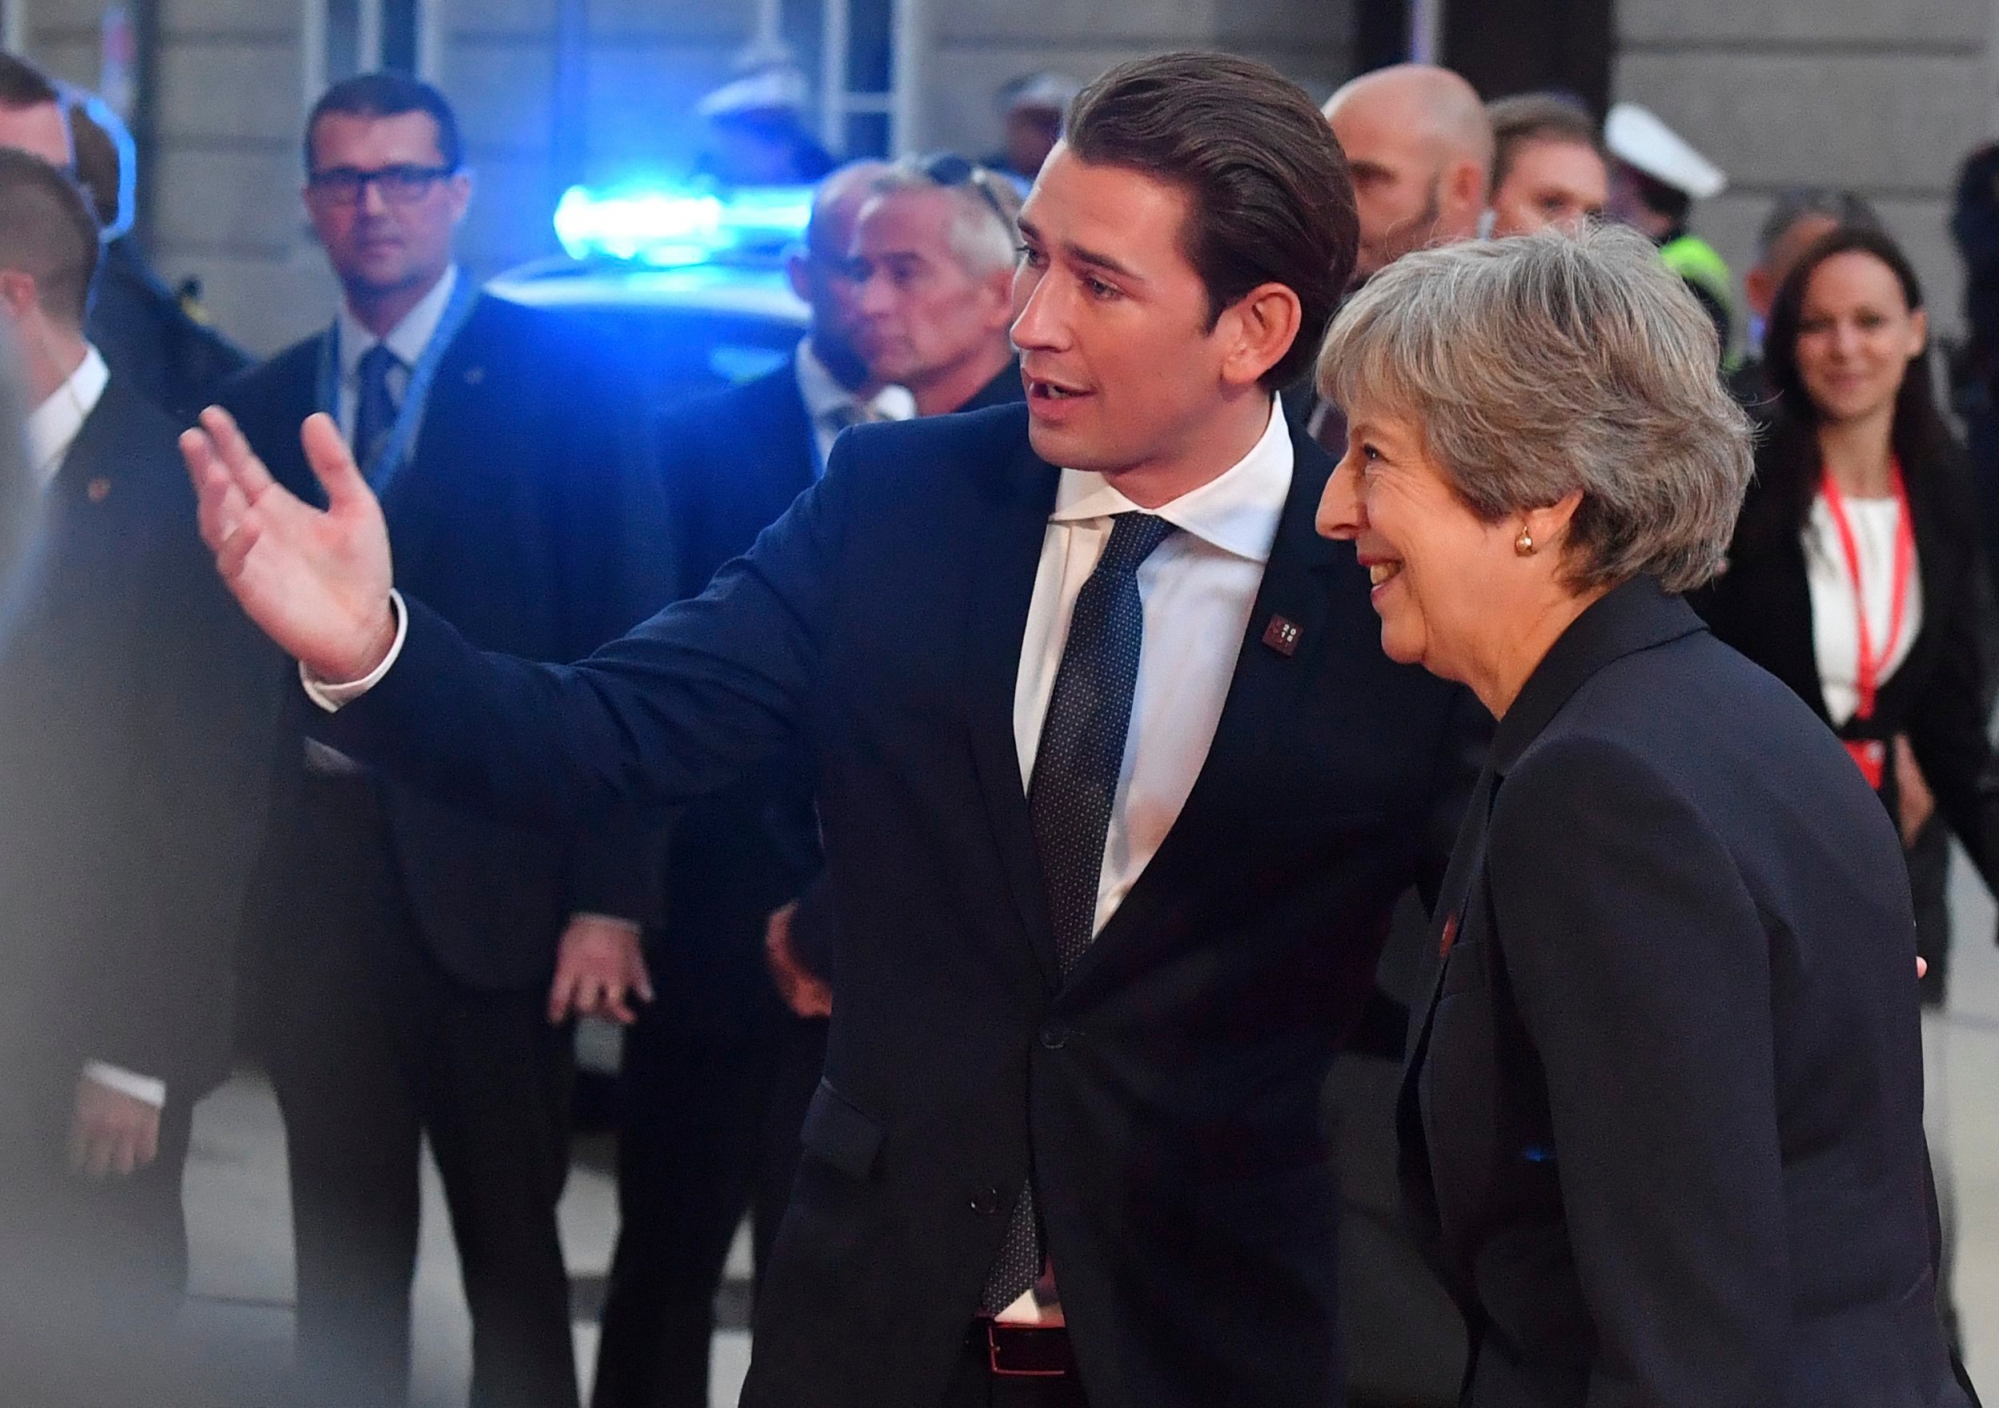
(293, 370)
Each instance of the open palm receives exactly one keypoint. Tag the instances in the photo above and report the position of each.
(317, 581)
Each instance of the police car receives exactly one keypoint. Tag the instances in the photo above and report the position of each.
(690, 282)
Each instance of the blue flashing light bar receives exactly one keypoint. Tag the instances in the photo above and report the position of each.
(669, 227)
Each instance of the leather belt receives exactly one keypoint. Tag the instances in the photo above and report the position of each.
(1022, 1351)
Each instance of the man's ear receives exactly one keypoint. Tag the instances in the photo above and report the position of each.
(1260, 328)
(18, 294)
(998, 290)
(799, 275)
(1467, 185)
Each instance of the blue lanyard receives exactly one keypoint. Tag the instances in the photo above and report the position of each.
(381, 472)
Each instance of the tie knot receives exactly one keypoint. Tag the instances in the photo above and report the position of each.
(1133, 537)
(378, 361)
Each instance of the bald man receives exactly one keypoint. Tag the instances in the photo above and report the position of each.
(717, 1072)
(1419, 144)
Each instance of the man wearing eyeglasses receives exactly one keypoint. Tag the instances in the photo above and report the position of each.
(419, 963)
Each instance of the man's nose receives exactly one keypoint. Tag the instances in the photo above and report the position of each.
(372, 201)
(1341, 515)
(1037, 321)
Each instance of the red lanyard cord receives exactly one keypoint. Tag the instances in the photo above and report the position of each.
(1870, 665)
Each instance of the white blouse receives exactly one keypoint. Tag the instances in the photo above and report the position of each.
(1835, 634)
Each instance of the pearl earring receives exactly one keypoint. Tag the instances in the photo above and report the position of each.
(1524, 544)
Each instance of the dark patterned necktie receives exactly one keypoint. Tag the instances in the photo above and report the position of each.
(375, 412)
(1070, 797)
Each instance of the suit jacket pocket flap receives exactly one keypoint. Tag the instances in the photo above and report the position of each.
(840, 1133)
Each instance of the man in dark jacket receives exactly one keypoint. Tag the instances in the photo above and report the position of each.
(131, 709)
(414, 954)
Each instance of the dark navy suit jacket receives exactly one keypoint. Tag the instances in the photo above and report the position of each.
(1663, 1123)
(530, 516)
(1165, 1095)
(134, 715)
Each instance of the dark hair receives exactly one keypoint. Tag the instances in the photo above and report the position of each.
(1537, 117)
(389, 94)
(22, 85)
(97, 166)
(1847, 208)
(47, 232)
(1270, 200)
(1791, 465)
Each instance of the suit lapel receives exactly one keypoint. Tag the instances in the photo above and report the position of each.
(1006, 557)
(1264, 691)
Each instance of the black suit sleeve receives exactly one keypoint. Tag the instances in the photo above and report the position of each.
(1947, 724)
(194, 731)
(1641, 970)
(681, 706)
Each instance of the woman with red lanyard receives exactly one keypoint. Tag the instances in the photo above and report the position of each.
(1855, 575)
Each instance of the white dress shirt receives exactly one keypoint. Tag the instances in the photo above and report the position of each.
(1198, 588)
(1835, 625)
(406, 339)
(833, 407)
(52, 428)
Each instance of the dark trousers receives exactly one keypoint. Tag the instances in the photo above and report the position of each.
(92, 1271)
(708, 1128)
(372, 1049)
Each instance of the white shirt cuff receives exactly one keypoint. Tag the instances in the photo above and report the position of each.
(153, 1092)
(335, 697)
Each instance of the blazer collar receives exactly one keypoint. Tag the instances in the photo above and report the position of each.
(1633, 616)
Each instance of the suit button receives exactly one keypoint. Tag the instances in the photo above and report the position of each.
(986, 1202)
(1055, 1037)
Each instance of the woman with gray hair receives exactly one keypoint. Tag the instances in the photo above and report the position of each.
(1663, 1118)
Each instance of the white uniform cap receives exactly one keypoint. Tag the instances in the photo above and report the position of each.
(1637, 137)
(778, 88)
(1042, 92)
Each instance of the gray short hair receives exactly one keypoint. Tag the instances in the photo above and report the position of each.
(984, 235)
(1551, 363)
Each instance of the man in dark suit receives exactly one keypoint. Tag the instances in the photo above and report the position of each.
(718, 1071)
(415, 955)
(1117, 787)
(130, 703)
(145, 336)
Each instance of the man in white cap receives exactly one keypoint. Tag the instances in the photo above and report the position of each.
(756, 132)
(1657, 177)
(1031, 111)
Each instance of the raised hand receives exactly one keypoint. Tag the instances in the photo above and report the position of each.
(317, 582)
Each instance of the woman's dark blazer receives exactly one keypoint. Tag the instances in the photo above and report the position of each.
(1663, 1118)
(1941, 694)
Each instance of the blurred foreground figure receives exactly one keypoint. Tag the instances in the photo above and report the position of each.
(148, 340)
(131, 706)
(418, 962)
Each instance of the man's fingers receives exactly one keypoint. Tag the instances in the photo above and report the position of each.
(149, 1144)
(235, 550)
(561, 994)
(333, 463)
(235, 454)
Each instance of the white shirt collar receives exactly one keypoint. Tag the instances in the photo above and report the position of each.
(1237, 512)
(406, 339)
(53, 426)
(824, 396)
